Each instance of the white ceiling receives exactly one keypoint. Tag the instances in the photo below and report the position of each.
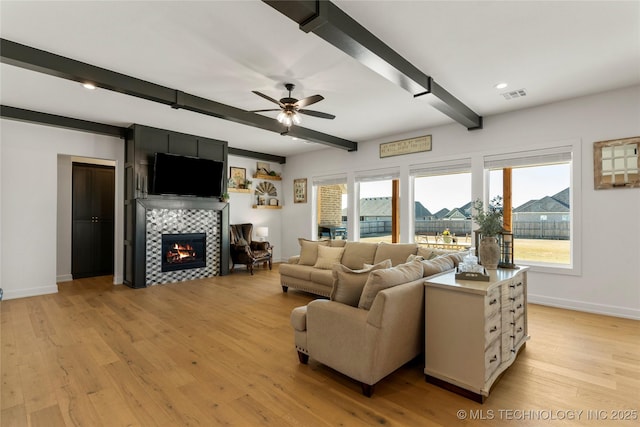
(222, 50)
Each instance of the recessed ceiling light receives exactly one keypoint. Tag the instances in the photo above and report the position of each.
(90, 86)
(501, 85)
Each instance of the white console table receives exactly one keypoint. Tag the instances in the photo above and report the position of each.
(474, 330)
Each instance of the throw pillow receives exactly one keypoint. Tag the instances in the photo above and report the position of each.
(428, 253)
(414, 257)
(382, 279)
(348, 283)
(309, 250)
(436, 265)
(368, 266)
(457, 257)
(328, 257)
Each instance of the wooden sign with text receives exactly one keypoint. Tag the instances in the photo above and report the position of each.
(406, 146)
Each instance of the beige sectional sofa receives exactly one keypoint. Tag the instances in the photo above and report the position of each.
(312, 273)
(373, 322)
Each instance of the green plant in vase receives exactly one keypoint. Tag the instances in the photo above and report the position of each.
(491, 224)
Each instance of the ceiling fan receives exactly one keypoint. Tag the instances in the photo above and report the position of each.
(290, 107)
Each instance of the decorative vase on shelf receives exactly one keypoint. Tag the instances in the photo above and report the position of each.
(489, 252)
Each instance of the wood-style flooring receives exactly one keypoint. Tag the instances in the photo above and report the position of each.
(220, 352)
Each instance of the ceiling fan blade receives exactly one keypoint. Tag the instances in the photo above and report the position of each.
(262, 111)
(317, 114)
(309, 100)
(267, 97)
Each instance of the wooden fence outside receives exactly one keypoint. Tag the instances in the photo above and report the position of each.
(548, 230)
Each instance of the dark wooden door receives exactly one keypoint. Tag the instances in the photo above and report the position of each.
(93, 193)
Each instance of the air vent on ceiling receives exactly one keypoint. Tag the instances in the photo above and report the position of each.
(514, 94)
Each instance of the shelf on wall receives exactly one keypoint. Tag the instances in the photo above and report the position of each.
(266, 207)
(239, 190)
(265, 176)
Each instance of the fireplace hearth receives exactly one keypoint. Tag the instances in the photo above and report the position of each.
(183, 251)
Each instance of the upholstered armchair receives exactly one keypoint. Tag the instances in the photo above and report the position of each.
(244, 250)
(366, 345)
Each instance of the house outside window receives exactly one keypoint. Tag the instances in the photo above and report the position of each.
(542, 211)
(442, 201)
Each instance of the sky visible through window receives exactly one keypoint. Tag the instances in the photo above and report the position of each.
(530, 183)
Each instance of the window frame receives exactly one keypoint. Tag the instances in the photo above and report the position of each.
(518, 158)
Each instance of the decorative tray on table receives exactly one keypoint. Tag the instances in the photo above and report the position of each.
(473, 275)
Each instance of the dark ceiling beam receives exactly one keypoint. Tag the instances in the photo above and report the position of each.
(256, 155)
(30, 116)
(330, 23)
(45, 62)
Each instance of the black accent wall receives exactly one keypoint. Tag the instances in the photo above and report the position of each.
(142, 142)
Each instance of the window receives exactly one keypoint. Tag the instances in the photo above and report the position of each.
(378, 218)
(442, 201)
(541, 204)
(376, 214)
(332, 207)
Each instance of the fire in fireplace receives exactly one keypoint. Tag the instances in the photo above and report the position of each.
(183, 251)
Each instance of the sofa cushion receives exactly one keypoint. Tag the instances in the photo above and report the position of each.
(337, 243)
(348, 283)
(298, 271)
(387, 278)
(356, 254)
(436, 265)
(309, 250)
(323, 277)
(396, 252)
(328, 257)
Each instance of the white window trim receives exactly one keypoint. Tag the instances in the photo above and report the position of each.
(574, 267)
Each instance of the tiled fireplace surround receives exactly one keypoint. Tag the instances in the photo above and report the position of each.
(156, 216)
(179, 221)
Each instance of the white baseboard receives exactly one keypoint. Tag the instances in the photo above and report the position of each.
(609, 310)
(117, 279)
(30, 292)
(64, 278)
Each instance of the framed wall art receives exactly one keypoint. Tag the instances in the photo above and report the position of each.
(300, 190)
(616, 163)
(237, 177)
(263, 168)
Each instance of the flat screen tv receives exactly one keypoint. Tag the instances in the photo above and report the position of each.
(186, 176)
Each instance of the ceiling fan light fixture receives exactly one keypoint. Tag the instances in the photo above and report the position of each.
(291, 108)
(288, 118)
